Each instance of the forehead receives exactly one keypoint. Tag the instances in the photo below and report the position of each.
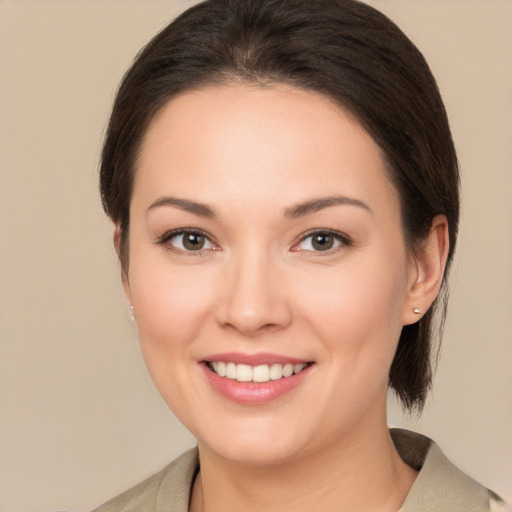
(270, 142)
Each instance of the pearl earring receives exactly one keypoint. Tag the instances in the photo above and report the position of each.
(416, 311)
(132, 316)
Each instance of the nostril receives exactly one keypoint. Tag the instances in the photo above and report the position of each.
(253, 322)
(251, 300)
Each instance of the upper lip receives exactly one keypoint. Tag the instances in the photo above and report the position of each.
(254, 359)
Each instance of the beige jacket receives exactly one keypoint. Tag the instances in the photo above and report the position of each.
(439, 487)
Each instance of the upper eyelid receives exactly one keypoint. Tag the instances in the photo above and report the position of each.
(164, 241)
(181, 231)
(344, 242)
(334, 232)
(168, 235)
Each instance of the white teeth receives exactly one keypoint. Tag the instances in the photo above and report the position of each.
(287, 370)
(298, 368)
(260, 373)
(244, 373)
(231, 371)
(276, 372)
(221, 369)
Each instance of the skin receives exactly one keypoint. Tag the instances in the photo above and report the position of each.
(252, 154)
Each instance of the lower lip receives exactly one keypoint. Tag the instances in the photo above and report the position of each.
(254, 393)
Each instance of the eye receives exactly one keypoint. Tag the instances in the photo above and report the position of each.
(321, 241)
(188, 240)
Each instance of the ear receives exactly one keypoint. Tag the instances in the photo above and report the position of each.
(430, 262)
(124, 275)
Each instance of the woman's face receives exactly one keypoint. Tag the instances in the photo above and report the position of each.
(265, 238)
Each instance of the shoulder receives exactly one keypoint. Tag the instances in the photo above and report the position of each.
(168, 490)
(496, 504)
(440, 485)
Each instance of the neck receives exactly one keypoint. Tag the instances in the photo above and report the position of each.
(360, 471)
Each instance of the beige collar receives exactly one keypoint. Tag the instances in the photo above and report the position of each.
(439, 487)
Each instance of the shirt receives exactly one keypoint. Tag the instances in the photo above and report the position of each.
(439, 486)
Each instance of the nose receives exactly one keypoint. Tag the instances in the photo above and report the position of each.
(254, 296)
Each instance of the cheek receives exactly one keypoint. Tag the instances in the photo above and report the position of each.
(172, 313)
(358, 309)
(171, 305)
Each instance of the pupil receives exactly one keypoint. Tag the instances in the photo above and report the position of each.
(193, 242)
(322, 242)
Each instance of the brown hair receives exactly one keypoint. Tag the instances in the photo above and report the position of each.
(341, 48)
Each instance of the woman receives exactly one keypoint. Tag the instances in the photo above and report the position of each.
(284, 190)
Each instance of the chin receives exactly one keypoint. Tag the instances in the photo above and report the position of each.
(257, 446)
(255, 454)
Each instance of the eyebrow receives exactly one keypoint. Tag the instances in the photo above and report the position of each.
(295, 211)
(200, 209)
(315, 205)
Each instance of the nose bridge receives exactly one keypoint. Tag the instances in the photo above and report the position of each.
(253, 299)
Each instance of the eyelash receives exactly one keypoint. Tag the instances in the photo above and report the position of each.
(165, 239)
(341, 239)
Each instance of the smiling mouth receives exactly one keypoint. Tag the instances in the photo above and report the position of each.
(260, 373)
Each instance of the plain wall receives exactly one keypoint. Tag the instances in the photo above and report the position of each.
(79, 419)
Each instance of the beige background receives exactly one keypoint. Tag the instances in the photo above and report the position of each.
(80, 420)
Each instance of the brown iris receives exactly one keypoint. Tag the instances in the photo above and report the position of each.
(322, 241)
(193, 241)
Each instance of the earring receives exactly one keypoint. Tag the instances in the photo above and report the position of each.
(416, 311)
(132, 316)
